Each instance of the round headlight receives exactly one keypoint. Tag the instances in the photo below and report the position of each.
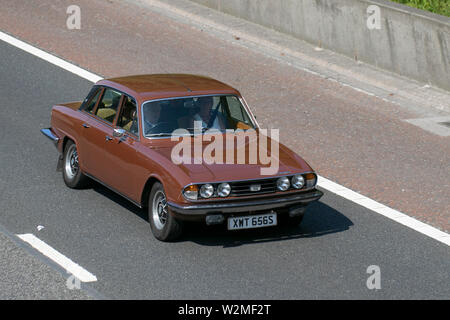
(191, 192)
(223, 190)
(206, 191)
(283, 184)
(298, 181)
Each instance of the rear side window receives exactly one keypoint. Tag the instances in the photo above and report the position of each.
(92, 100)
(108, 105)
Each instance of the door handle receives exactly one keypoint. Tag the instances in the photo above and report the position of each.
(108, 138)
(85, 125)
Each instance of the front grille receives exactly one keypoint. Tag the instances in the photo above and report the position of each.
(242, 188)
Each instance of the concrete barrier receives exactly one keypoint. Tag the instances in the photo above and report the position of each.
(410, 42)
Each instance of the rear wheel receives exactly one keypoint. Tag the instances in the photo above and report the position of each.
(164, 226)
(72, 175)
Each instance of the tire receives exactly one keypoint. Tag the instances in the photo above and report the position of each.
(72, 175)
(295, 221)
(163, 225)
(287, 221)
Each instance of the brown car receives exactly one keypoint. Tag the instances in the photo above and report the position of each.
(184, 147)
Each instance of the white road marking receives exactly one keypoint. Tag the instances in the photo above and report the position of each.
(322, 182)
(71, 267)
(384, 210)
(49, 58)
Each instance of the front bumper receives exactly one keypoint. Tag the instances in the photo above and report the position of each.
(238, 206)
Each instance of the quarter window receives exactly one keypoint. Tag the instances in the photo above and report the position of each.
(237, 112)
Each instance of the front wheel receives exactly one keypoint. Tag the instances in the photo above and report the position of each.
(287, 221)
(295, 221)
(72, 175)
(164, 226)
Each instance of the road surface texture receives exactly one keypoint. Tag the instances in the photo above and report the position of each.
(26, 276)
(352, 138)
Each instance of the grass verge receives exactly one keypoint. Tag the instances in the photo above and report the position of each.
(441, 7)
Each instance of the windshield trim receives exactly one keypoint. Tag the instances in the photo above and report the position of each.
(241, 100)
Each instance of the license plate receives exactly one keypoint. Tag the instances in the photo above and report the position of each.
(250, 222)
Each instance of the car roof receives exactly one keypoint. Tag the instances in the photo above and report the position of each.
(155, 86)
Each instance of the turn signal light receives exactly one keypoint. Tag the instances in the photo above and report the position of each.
(191, 192)
(311, 179)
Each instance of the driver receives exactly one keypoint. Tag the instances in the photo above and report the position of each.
(151, 117)
(206, 113)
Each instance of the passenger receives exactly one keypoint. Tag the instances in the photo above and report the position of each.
(129, 117)
(206, 113)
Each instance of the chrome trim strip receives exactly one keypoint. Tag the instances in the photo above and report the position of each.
(247, 107)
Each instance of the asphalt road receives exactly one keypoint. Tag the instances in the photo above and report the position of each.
(25, 276)
(327, 257)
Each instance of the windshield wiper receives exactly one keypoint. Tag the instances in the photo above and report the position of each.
(162, 134)
(194, 129)
(204, 129)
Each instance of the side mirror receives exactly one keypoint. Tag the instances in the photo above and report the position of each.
(118, 132)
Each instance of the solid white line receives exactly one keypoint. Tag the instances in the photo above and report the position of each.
(71, 267)
(50, 58)
(390, 213)
(322, 182)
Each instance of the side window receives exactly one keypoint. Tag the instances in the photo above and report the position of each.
(92, 99)
(237, 111)
(108, 105)
(128, 116)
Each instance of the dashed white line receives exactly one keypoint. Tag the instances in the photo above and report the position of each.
(71, 267)
(322, 182)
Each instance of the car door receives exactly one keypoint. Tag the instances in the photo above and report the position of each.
(97, 135)
(122, 151)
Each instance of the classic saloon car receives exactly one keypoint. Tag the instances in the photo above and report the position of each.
(124, 133)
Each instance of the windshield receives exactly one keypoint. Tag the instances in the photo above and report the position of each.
(162, 117)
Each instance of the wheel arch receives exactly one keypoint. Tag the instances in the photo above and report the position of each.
(66, 138)
(147, 189)
(64, 142)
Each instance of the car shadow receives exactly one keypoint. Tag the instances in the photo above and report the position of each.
(319, 220)
(118, 199)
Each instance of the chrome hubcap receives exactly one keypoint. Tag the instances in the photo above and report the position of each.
(159, 212)
(71, 166)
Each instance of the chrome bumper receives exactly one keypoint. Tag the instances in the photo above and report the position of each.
(246, 205)
(49, 134)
